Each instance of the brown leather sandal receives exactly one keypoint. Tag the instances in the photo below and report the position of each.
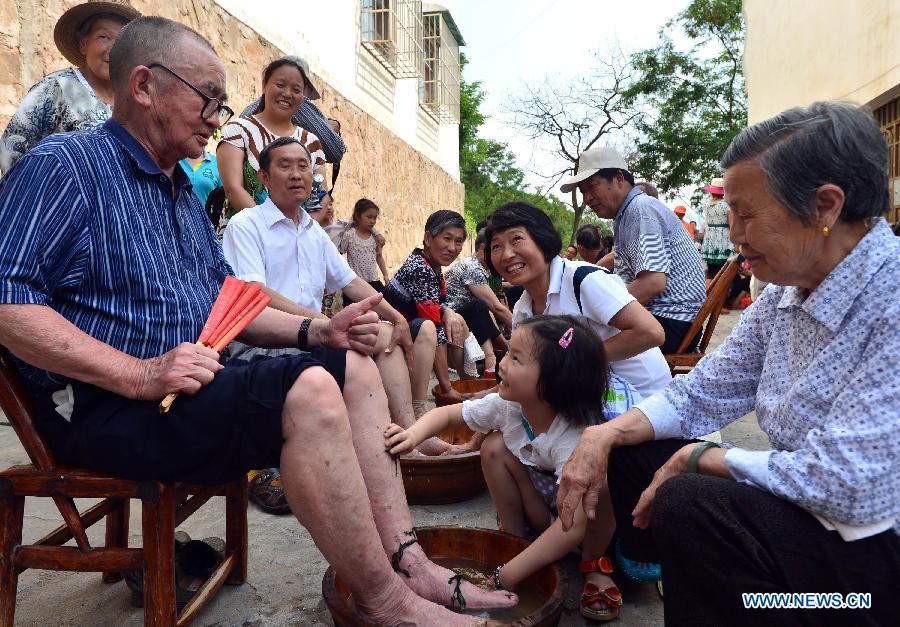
(267, 492)
(592, 594)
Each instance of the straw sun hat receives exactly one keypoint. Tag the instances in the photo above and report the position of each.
(66, 32)
(716, 186)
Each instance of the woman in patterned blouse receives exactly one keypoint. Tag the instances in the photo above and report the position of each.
(417, 290)
(75, 98)
(816, 358)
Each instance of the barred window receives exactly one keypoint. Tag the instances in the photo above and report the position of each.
(439, 81)
(888, 118)
(392, 32)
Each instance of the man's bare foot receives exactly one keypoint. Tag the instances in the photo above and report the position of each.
(459, 449)
(433, 446)
(441, 585)
(402, 608)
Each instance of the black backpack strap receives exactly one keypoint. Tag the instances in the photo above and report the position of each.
(578, 276)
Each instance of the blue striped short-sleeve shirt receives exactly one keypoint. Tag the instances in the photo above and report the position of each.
(91, 228)
(649, 236)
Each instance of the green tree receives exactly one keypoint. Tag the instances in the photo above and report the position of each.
(470, 117)
(488, 169)
(694, 99)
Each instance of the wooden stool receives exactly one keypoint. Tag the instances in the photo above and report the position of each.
(682, 361)
(164, 507)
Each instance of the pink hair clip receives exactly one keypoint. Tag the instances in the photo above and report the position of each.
(566, 338)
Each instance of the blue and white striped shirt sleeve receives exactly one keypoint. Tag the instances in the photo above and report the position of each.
(44, 241)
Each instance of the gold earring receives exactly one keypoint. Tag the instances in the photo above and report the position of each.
(826, 231)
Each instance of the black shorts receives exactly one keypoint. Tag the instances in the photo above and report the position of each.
(675, 331)
(414, 325)
(513, 294)
(231, 426)
(477, 315)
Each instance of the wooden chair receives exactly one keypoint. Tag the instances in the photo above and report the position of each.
(164, 507)
(682, 361)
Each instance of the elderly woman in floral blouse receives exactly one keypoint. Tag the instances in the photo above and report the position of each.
(418, 291)
(816, 358)
(75, 98)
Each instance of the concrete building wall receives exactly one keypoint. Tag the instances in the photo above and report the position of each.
(800, 51)
(393, 159)
(327, 35)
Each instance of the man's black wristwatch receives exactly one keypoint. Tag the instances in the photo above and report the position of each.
(303, 334)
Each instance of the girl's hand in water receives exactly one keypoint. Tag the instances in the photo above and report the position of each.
(398, 441)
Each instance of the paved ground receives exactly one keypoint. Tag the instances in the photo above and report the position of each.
(285, 572)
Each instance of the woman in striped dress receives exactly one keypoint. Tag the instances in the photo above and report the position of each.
(285, 83)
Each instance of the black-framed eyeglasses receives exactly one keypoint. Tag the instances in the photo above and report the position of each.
(210, 105)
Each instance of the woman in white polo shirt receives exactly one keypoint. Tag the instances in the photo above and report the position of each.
(524, 249)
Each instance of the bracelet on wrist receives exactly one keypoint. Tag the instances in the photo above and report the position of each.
(497, 583)
(303, 334)
(696, 453)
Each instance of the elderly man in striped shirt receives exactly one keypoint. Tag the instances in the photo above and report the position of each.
(652, 252)
(108, 267)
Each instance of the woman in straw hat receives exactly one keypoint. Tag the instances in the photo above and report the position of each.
(716, 247)
(75, 98)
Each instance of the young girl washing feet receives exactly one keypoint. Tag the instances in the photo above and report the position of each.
(554, 382)
(363, 251)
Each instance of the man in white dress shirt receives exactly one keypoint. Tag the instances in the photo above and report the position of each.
(279, 246)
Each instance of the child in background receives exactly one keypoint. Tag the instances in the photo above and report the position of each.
(322, 211)
(363, 251)
(203, 173)
(554, 382)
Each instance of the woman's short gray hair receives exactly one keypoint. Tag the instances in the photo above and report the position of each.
(803, 148)
(444, 219)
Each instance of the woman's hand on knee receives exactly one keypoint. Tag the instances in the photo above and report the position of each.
(676, 465)
(584, 476)
(455, 327)
(399, 336)
(385, 334)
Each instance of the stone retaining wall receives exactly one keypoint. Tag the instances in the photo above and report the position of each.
(405, 184)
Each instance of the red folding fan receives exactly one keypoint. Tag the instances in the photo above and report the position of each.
(237, 305)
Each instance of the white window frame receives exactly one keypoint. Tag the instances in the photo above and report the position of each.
(391, 30)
